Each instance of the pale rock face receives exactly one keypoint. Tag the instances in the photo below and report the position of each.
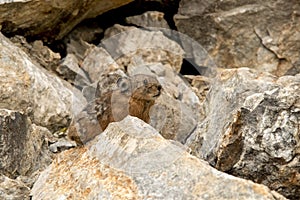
(251, 128)
(27, 87)
(38, 52)
(51, 19)
(98, 63)
(13, 189)
(23, 149)
(131, 160)
(149, 19)
(69, 70)
(141, 47)
(264, 35)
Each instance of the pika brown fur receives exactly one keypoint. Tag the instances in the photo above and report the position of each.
(133, 96)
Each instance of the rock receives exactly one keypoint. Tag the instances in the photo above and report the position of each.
(27, 87)
(38, 52)
(173, 119)
(270, 30)
(61, 144)
(97, 63)
(79, 40)
(149, 19)
(86, 31)
(252, 129)
(200, 85)
(44, 19)
(13, 189)
(130, 160)
(78, 48)
(23, 147)
(69, 70)
(106, 82)
(140, 47)
(115, 30)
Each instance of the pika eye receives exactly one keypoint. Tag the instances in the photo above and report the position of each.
(123, 84)
(145, 82)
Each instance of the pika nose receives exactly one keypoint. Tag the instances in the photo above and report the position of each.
(159, 87)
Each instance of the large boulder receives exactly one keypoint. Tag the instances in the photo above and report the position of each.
(259, 34)
(23, 146)
(27, 87)
(131, 46)
(130, 160)
(50, 19)
(251, 128)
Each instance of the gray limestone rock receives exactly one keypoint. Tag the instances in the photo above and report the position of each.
(130, 46)
(264, 35)
(69, 70)
(98, 62)
(149, 19)
(251, 128)
(23, 147)
(61, 144)
(38, 52)
(25, 86)
(11, 189)
(50, 19)
(77, 47)
(173, 119)
(130, 160)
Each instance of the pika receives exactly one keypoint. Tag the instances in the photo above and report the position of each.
(132, 96)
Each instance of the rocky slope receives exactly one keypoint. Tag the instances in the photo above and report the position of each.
(225, 125)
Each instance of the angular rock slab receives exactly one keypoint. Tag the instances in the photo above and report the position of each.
(29, 88)
(130, 160)
(261, 34)
(11, 189)
(130, 46)
(149, 19)
(38, 52)
(252, 129)
(52, 19)
(69, 70)
(97, 63)
(22, 145)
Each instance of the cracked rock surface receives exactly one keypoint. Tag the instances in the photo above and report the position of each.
(252, 128)
(130, 160)
(264, 35)
(49, 19)
(23, 149)
(24, 85)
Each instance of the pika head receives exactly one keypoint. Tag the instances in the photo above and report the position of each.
(140, 87)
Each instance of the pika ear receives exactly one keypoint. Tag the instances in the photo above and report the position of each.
(123, 84)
